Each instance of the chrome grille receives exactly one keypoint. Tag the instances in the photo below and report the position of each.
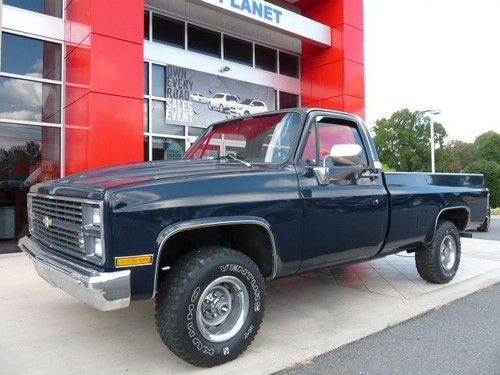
(58, 223)
(64, 210)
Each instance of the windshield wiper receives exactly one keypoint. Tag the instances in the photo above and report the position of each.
(230, 156)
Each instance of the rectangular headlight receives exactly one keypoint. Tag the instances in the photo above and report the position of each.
(98, 247)
(92, 215)
(96, 216)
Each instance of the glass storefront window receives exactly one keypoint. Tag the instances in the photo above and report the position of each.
(28, 155)
(158, 80)
(204, 41)
(146, 115)
(168, 148)
(168, 31)
(288, 100)
(266, 58)
(30, 57)
(289, 65)
(159, 116)
(146, 25)
(48, 7)
(29, 101)
(195, 132)
(146, 148)
(238, 50)
(146, 79)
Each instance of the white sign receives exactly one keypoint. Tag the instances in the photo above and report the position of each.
(280, 18)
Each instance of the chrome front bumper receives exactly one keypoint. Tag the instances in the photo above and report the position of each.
(104, 291)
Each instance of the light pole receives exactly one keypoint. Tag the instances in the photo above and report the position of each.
(433, 159)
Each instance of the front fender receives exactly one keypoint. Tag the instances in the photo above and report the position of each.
(173, 229)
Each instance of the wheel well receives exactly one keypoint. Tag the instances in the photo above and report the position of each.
(250, 239)
(458, 216)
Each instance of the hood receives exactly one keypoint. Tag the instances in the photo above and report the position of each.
(92, 184)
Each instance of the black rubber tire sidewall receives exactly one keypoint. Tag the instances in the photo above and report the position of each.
(448, 230)
(200, 351)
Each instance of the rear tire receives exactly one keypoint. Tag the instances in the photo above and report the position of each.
(210, 306)
(485, 226)
(438, 262)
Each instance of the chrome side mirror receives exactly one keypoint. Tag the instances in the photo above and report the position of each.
(341, 155)
(347, 154)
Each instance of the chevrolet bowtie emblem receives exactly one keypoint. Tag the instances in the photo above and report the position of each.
(47, 222)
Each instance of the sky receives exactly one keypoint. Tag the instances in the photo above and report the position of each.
(442, 54)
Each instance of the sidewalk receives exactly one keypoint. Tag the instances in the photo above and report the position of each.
(45, 331)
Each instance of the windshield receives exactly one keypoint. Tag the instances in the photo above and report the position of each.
(246, 101)
(261, 139)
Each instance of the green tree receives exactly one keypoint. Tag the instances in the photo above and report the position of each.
(461, 155)
(486, 160)
(491, 171)
(487, 147)
(403, 141)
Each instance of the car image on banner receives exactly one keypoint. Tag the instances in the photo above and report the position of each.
(222, 102)
(197, 97)
(248, 107)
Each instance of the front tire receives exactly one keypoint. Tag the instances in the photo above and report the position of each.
(210, 306)
(438, 262)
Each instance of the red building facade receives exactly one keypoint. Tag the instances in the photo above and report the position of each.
(86, 83)
(104, 75)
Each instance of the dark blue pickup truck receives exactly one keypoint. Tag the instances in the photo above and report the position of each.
(254, 199)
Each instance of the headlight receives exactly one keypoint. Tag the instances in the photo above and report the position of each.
(96, 216)
(93, 231)
(92, 216)
(98, 247)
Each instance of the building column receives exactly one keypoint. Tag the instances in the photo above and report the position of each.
(334, 77)
(104, 83)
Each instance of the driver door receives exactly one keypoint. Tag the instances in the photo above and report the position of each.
(345, 218)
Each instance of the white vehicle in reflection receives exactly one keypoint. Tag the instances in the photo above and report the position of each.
(197, 97)
(222, 102)
(248, 107)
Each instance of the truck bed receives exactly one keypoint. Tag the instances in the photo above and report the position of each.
(416, 199)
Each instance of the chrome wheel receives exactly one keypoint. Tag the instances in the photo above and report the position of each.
(448, 252)
(222, 309)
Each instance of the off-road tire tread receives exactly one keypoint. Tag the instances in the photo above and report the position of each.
(177, 280)
(425, 257)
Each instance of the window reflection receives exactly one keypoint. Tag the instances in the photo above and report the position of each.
(168, 148)
(158, 81)
(146, 116)
(48, 7)
(288, 100)
(28, 155)
(30, 57)
(158, 114)
(29, 101)
(289, 65)
(168, 31)
(146, 78)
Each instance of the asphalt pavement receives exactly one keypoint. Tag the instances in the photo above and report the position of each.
(460, 338)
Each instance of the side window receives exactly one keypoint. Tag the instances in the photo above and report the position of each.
(330, 132)
(309, 155)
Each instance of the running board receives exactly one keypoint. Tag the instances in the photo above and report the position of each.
(466, 235)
